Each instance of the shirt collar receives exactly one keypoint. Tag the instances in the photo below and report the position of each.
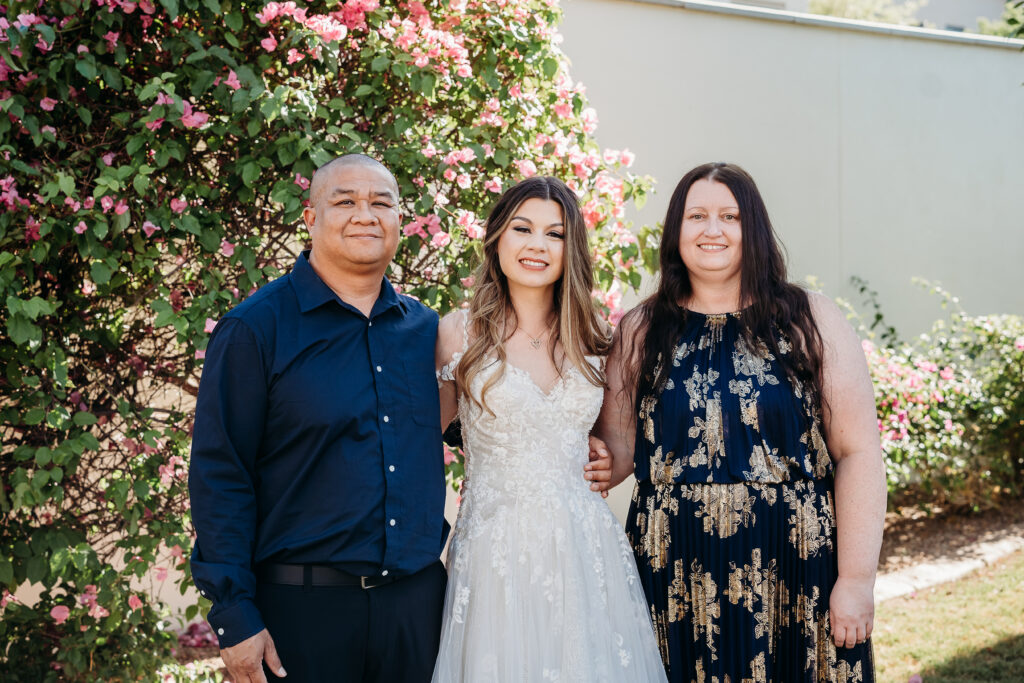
(312, 292)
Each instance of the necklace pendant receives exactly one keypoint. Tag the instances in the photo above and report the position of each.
(535, 343)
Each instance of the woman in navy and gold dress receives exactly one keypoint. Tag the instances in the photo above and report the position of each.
(757, 515)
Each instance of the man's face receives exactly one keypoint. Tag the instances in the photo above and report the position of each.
(353, 218)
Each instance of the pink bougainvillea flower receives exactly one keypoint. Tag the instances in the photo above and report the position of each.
(449, 455)
(32, 230)
(191, 118)
(227, 248)
(73, 204)
(81, 227)
(463, 180)
(468, 281)
(302, 181)
(60, 613)
(210, 324)
(493, 185)
(47, 103)
(178, 205)
(81, 49)
(1019, 344)
(295, 56)
(120, 207)
(232, 80)
(147, 6)
(149, 228)
(269, 43)
(441, 239)
(164, 98)
(160, 573)
(200, 354)
(98, 612)
(464, 71)
(108, 158)
(155, 124)
(526, 168)
(133, 602)
(628, 158)
(111, 38)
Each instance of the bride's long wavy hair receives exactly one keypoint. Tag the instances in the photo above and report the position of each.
(492, 319)
(771, 303)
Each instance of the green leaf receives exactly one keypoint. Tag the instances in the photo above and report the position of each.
(35, 568)
(100, 272)
(250, 172)
(172, 8)
(21, 329)
(140, 183)
(34, 416)
(6, 571)
(84, 419)
(550, 67)
(87, 67)
(380, 63)
(363, 90)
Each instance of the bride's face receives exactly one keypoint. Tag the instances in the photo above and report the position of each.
(530, 250)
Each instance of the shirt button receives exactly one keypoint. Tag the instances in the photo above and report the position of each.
(384, 573)
(378, 368)
(391, 468)
(386, 419)
(220, 632)
(371, 323)
(392, 522)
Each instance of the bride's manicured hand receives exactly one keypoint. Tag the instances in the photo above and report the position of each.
(599, 470)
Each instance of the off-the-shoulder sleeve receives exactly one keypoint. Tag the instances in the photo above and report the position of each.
(449, 350)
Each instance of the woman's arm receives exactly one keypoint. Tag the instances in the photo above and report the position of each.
(851, 431)
(616, 425)
(449, 342)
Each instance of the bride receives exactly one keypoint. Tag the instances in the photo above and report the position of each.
(542, 584)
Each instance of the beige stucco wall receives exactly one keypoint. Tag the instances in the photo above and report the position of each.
(884, 156)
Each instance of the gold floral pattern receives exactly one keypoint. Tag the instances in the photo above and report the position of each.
(733, 512)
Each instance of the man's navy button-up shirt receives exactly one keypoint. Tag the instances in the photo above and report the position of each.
(317, 440)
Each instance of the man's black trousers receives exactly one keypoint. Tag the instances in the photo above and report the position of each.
(348, 634)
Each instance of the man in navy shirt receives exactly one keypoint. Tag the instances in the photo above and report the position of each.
(317, 478)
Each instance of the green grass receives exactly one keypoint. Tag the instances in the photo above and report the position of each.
(966, 631)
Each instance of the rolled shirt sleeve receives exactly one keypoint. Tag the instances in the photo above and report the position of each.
(230, 413)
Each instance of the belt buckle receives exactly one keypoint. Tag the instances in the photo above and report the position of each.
(363, 584)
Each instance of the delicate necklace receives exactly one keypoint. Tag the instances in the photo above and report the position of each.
(534, 341)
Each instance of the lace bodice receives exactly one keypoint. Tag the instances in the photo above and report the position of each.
(530, 443)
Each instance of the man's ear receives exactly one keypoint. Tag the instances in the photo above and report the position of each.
(309, 217)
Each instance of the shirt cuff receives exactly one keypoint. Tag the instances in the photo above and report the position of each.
(234, 624)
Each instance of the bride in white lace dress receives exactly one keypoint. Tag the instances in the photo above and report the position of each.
(542, 584)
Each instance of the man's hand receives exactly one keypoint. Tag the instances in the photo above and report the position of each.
(599, 470)
(852, 611)
(245, 660)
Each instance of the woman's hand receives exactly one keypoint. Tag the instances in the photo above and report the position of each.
(852, 611)
(599, 470)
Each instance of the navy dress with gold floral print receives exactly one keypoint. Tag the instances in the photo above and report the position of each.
(732, 520)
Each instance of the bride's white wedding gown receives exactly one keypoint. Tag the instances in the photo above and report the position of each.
(542, 584)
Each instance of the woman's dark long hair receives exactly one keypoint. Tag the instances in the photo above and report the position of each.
(771, 304)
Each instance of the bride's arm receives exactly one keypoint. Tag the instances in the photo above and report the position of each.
(449, 342)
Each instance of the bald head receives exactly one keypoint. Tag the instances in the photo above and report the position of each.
(319, 182)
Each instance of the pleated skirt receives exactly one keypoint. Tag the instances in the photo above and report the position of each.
(738, 578)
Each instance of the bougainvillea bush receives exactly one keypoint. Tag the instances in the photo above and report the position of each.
(154, 160)
(951, 409)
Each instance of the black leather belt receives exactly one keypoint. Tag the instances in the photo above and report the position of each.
(317, 575)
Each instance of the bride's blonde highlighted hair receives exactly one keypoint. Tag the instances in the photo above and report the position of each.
(492, 319)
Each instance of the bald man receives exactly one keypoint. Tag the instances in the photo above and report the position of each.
(317, 478)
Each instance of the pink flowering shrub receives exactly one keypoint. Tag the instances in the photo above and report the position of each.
(156, 157)
(951, 409)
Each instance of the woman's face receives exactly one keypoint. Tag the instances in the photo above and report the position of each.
(530, 250)
(711, 238)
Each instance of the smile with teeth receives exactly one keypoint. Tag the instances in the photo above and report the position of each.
(711, 247)
(530, 263)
